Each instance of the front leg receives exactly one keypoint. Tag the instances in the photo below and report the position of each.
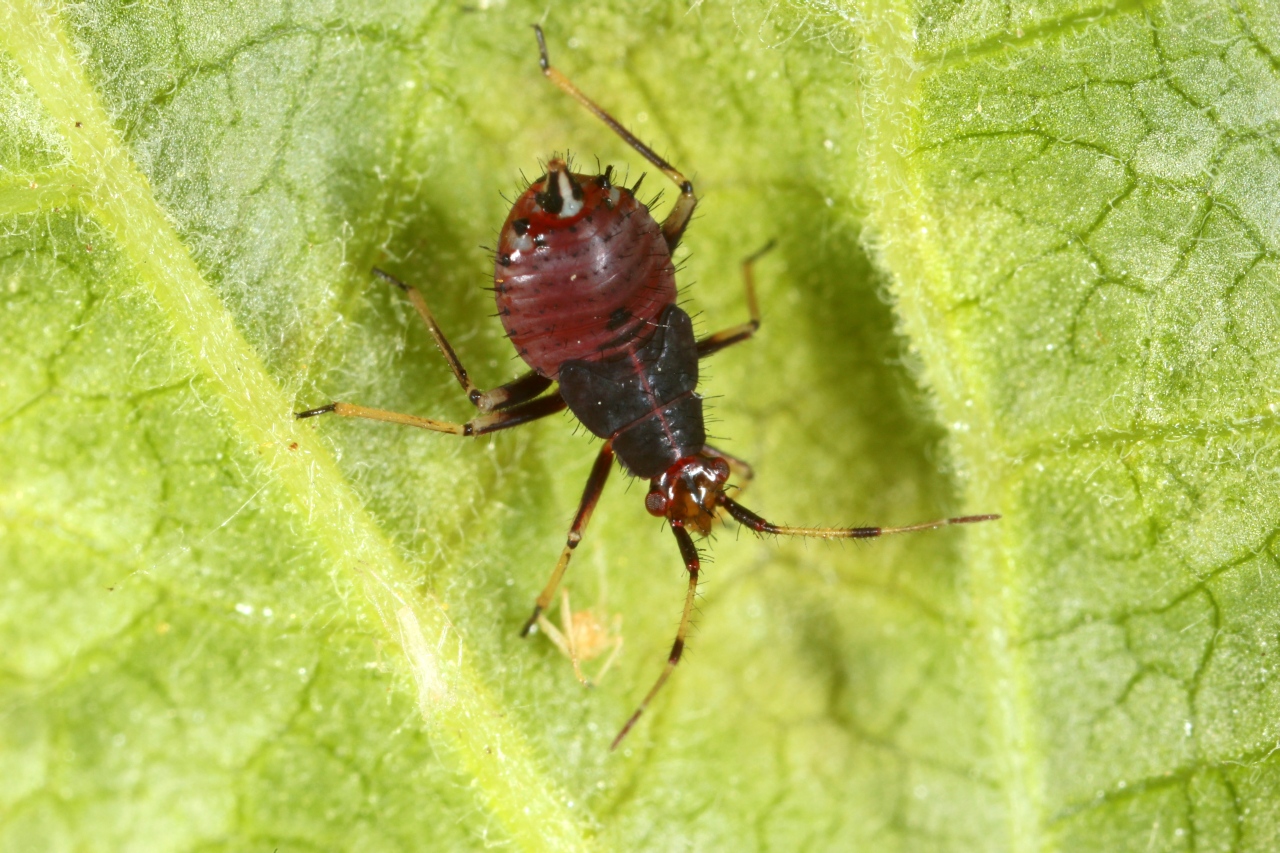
(689, 552)
(590, 497)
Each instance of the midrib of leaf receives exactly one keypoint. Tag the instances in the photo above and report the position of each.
(457, 707)
(899, 228)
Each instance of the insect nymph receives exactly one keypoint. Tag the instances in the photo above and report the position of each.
(586, 291)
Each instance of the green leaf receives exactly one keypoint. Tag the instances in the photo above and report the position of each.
(224, 629)
(1078, 204)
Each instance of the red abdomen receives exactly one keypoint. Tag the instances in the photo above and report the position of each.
(583, 272)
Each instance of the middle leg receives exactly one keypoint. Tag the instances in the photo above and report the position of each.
(530, 410)
(504, 396)
(743, 331)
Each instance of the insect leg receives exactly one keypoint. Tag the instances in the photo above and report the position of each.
(563, 636)
(747, 518)
(504, 396)
(590, 497)
(522, 413)
(571, 634)
(578, 637)
(673, 226)
(616, 642)
(513, 393)
(690, 554)
(743, 331)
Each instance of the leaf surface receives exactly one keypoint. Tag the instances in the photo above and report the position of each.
(224, 629)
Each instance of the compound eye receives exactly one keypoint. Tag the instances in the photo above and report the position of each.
(721, 469)
(656, 503)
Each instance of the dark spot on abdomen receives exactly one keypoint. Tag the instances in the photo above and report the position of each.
(618, 319)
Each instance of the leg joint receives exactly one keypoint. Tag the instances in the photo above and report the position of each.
(533, 620)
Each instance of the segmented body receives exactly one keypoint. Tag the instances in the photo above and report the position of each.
(585, 288)
(586, 291)
(586, 285)
(646, 400)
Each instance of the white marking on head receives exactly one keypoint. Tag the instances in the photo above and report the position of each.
(572, 206)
